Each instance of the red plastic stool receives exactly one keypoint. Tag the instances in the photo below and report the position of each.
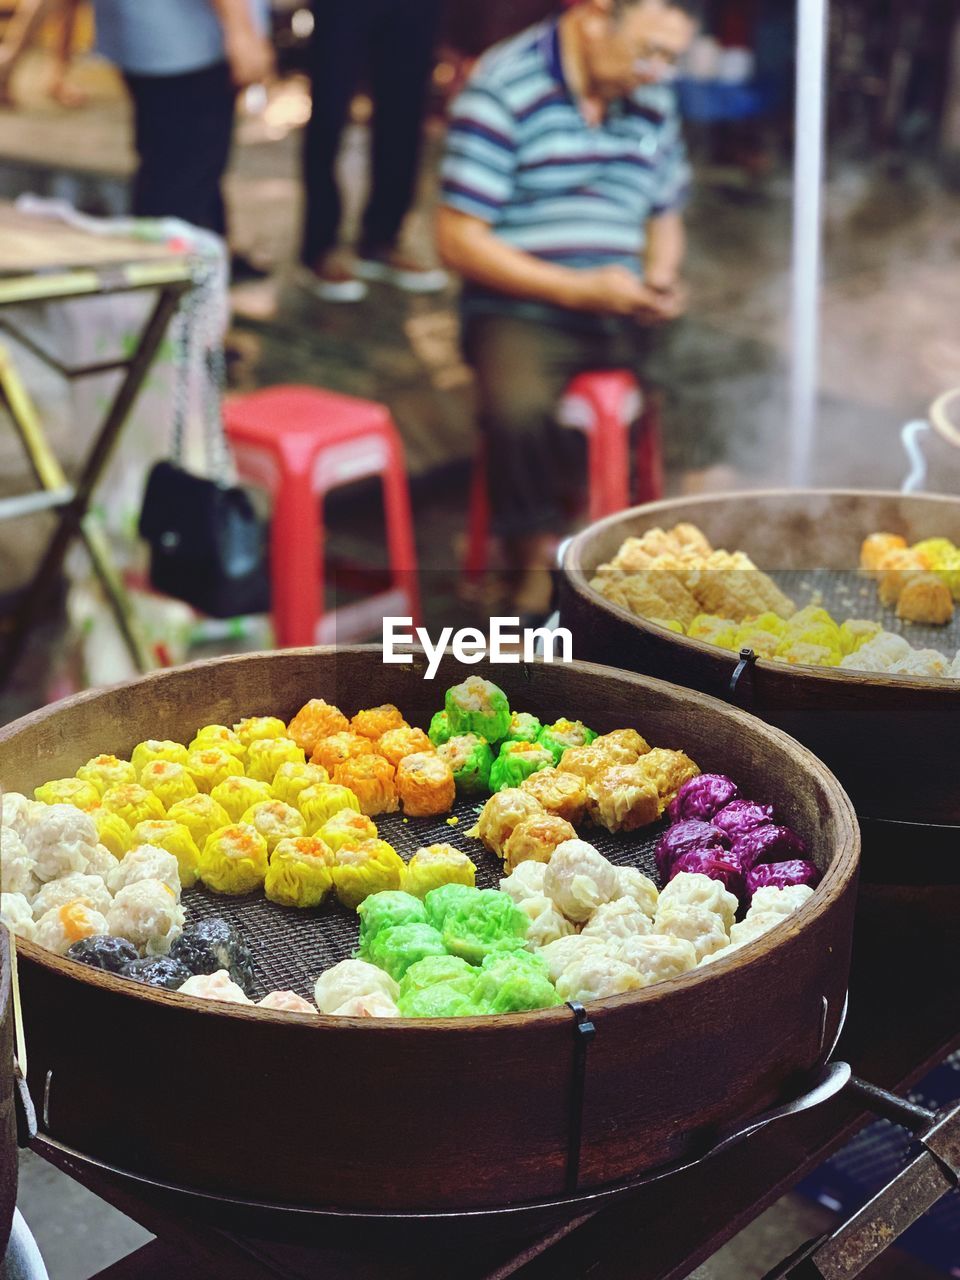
(604, 406)
(299, 443)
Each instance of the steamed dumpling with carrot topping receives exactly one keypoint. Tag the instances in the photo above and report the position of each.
(405, 740)
(133, 803)
(425, 785)
(372, 779)
(234, 860)
(82, 795)
(331, 752)
(175, 839)
(266, 755)
(579, 879)
(76, 887)
(218, 735)
(319, 803)
(315, 720)
(501, 814)
(366, 868)
(300, 873)
(435, 865)
(259, 729)
(208, 766)
(237, 794)
(535, 838)
(624, 798)
(154, 749)
(169, 781)
(275, 821)
(348, 827)
(107, 771)
(60, 927)
(374, 722)
(292, 778)
(201, 815)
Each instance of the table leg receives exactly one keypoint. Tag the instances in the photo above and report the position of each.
(72, 519)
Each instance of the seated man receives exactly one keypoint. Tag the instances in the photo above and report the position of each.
(563, 182)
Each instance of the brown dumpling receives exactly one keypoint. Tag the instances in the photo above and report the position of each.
(624, 798)
(535, 838)
(504, 811)
(668, 771)
(564, 794)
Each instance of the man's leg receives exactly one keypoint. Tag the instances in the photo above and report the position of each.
(337, 51)
(401, 62)
(182, 131)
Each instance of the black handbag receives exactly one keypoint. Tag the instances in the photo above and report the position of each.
(208, 545)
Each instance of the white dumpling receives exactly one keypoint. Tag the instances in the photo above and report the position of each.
(101, 862)
(525, 882)
(619, 919)
(212, 986)
(921, 662)
(547, 924)
(579, 879)
(60, 840)
(85, 888)
(286, 1002)
(374, 1005)
(564, 951)
(700, 926)
(18, 812)
(349, 978)
(59, 928)
(657, 957)
(754, 927)
(596, 974)
(17, 867)
(146, 862)
(16, 914)
(148, 914)
(632, 883)
(954, 670)
(691, 889)
(772, 900)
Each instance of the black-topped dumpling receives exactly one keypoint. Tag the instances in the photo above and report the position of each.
(157, 971)
(104, 952)
(213, 944)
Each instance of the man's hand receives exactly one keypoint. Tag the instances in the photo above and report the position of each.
(250, 56)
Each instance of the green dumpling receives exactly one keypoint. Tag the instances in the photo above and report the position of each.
(561, 734)
(470, 758)
(524, 727)
(387, 910)
(395, 950)
(513, 982)
(442, 1000)
(516, 761)
(478, 706)
(440, 731)
(439, 901)
(450, 970)
(490, 922)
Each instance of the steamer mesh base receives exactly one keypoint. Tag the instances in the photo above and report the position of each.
(290, 947)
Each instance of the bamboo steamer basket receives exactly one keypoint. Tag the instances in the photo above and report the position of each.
(893, 741)
(429, 1116)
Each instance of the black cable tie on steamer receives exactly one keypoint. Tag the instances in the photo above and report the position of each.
(747, 662)
(584, 1032)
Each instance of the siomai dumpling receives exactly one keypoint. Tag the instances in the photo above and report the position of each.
(347, 828)
(374, 1005)
(591, 760)
(146, 863)
(266, 755)
(16, 914)
(17, 868)
(562, 953)
(292, 778)
(700, 926)
(579, 879)
(237, 794)
(534, 839)
(619, 919)
(286, 1002)
(525, 881)
(425, 784)
(212, 735)
(147, 913)
(234, 860)
(300, 873)
(624, 798)
(770, 899)
(107, 771)
(626, 745)
(207, 765)
(562, 794)
(350, 978)
(656, 957)
(155, 749)
(632, 883)
(333, 751)
(374, 722)
(315, 720)
(168, 781)
(547, 924)
(175, 839)
(595, 975)
(60, 840)
(372, 779)
(214, 986)
(501, 814)
(690, 889)
(82, 795)
(319, 803)
(17, 812)
(435, 865)
(395, 744)
(366, 868)
(668, 771)
(60, 927)
(201, 815)
(275, 821)
(74, 887)
(101, 862)
(259, 728)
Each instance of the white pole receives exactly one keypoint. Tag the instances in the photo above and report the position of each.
(807, 231)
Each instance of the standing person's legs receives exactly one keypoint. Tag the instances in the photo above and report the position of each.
(402, 50)
(338, 47)
(182, 131)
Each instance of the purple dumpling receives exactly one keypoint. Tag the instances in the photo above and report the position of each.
(768, 844)
(685, 837)
(718, 864)
(701, 797)
(782, 874)
(740, 816)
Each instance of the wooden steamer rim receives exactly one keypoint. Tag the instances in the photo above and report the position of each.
(251, 684)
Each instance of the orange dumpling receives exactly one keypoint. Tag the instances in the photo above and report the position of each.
(315, 720)
(374, 722)
(332, 751)
(372, 779)
(405, 741)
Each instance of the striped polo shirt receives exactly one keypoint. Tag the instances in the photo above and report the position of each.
(521, 157)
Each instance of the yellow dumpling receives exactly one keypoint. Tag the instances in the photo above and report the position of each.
(201, 815)
(132, 803)
(234, 860)
(173, 837)
(290, 779)
(82, 795)
(366, 868)
(300, 873)
(266, 755)
(437, 864)
(218, 735)
(275, 821)
(157, 749)
(347, 828)
(112, 831)
(169, 782)
(320, 802)
(210, 765)
(237, 794)
(107, 771)
(257, 728)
